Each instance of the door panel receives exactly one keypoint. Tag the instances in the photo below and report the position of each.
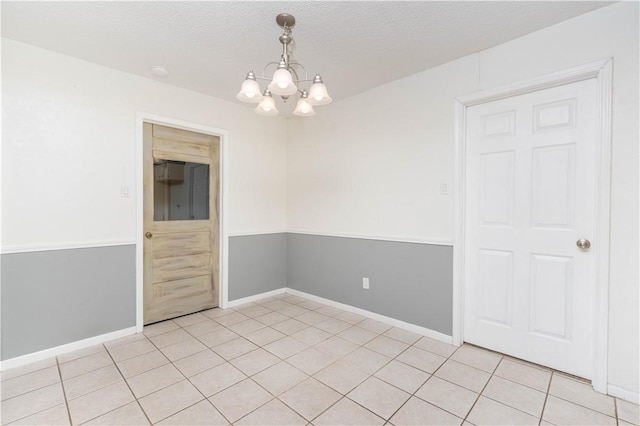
(182, 296)
(178, 267)
(495, 283)
(165, 245)
(553, 186)
(496, 186)
(552, 296)
(179, 147)
(529, 291)
(181, 175)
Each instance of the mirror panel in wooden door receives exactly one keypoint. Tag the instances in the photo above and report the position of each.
(181, 176)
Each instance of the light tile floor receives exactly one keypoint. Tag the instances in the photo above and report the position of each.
(287, 360)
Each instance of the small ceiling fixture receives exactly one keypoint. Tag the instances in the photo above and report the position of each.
(159, 71)
(283, 82)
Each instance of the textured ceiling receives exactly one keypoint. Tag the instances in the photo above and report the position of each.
(209, 46)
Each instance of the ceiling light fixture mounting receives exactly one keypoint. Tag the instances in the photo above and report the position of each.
(285, 80)
(159, 71)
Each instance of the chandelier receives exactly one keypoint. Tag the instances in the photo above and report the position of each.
(285, 81)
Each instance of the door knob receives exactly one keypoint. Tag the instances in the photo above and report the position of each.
(148, 235)
(583, 244)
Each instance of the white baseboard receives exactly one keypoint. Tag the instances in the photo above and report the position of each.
(63, 349)
(255, 297)
(625, 394)
(387, 320)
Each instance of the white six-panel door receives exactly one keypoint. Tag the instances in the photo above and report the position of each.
(530, 184)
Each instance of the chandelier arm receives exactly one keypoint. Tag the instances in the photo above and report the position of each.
(291, 70)
(265, 69)
(296, 80)
(303, 69)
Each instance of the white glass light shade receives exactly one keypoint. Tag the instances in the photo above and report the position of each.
(282, 83)
(304, 108)
(318, 94)
(267, 106)
(250, 92)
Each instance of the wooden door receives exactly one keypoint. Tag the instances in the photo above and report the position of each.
(531, 180)
(181, 222)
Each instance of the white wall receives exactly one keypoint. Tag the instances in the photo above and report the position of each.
(68, 145)
(372, 164)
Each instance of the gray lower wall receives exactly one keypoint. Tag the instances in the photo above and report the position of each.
(410, 282)
(257, 264)
(51, 298)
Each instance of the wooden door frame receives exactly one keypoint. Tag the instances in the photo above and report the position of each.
(223, 274)
(602, 71)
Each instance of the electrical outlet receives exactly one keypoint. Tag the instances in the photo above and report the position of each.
(365, 283)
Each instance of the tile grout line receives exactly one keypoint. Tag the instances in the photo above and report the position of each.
(276, 397)
(187, 378)
(522, 384)
(428, 378)
(229, 361)
(483, 388)
(64, 393)
(584, 406)
(550, 370)
(37, 389)
(29, 372)
(515, 408)
(130, 390)
(443, 378)
(548, 391)
(34, 389)
(507, 405)
(517, 383)
(311, 376)
(387, 363)
(343, 396)
(546, 396)
(355, 402)
(57, 365)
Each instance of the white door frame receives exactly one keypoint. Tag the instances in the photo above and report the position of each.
(223, 274)
(602, 72)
